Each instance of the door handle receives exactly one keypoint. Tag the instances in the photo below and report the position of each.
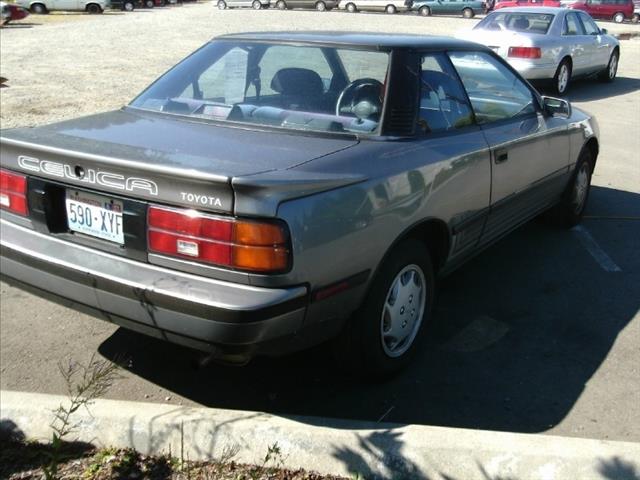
(501, 156)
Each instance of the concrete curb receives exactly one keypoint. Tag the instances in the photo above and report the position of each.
(329, 446)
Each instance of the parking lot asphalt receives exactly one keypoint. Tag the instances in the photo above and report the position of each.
(540, 333)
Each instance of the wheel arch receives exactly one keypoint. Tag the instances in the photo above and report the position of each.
(594, 148)
(434, 233)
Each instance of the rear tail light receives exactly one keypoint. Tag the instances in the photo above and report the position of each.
(256, 246)
(525, 52)
(13, 192)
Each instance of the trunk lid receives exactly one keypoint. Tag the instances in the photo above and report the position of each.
(153, 157)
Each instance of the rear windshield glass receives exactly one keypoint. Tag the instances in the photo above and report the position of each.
(517, 22)
(295, 87)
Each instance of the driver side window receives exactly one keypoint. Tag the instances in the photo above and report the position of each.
(496, 93)
(443, 103)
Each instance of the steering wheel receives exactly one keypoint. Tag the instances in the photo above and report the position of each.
(362, 98)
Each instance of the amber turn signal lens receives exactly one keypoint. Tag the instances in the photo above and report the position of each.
(261, 259)
(258, 234)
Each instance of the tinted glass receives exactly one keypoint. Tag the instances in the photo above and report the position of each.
(496, 93)
(517, 22)
(293, 87)
(572, 25)
(443, 103)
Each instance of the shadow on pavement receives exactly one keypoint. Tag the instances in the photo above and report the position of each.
(518, 333)
(587, 89)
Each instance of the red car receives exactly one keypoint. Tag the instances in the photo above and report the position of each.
(616, 10)
(525, 3)
(11, 13)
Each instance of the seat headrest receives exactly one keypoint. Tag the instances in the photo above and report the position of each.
(521, 23)
(297, 81)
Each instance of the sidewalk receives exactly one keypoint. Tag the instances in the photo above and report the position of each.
(330, 446)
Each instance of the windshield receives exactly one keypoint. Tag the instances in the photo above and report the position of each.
(517, 22)
(314, 88)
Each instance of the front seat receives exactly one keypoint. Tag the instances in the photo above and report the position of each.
(299, 89)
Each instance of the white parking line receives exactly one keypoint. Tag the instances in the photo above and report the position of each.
(594, 249)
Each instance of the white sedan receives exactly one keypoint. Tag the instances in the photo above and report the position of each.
(546, 43)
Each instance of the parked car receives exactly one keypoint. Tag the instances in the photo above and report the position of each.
(11, 13)
(466, 8)
(46, 6)
(525, 3)
(389, 6)
(124, 5)
(320, 5)
(616, 10)
(549, 44)
(255, 4)
(276, 190)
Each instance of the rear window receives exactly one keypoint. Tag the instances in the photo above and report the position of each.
(517, 22)
(296, 87)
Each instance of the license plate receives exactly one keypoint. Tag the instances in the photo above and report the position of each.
(95, 215)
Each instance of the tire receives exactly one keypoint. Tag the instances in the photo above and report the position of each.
(38, 9)
(128, 6)
(281, 5)
(468, 13)
(390, 9)
(149, 4)
(570, 210)
(256, 5)
(425, 11)
(562, 78)
(351, 8)
(321, 6)
(608, 75)
(94, 8)
(635, 18)
(366, 346)
(222, 5)
(618, 17)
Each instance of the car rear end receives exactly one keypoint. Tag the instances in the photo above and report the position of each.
(520, 36)
(156, 249)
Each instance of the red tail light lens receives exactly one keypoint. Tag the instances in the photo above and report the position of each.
(249, 245)
(525, 52)
(13, 192)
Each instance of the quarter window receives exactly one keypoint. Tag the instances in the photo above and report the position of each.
(443, 103)
(496, 93)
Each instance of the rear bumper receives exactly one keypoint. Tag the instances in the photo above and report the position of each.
(534, 71)
(196, 311)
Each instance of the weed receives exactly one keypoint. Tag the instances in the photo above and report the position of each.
(84, 384)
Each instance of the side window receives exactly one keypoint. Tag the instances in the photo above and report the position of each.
(443, 103)
(572, 25)
(590, 26)
(496, 93)
(309, 65)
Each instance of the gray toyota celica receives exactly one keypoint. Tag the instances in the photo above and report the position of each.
(277, 190)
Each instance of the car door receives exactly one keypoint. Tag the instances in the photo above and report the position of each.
(582, 46)
(601, 44)
(455, 155)
(66, 5)
(530, 150)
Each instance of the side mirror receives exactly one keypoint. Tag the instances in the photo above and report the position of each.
(557, 107)
(603, 31)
